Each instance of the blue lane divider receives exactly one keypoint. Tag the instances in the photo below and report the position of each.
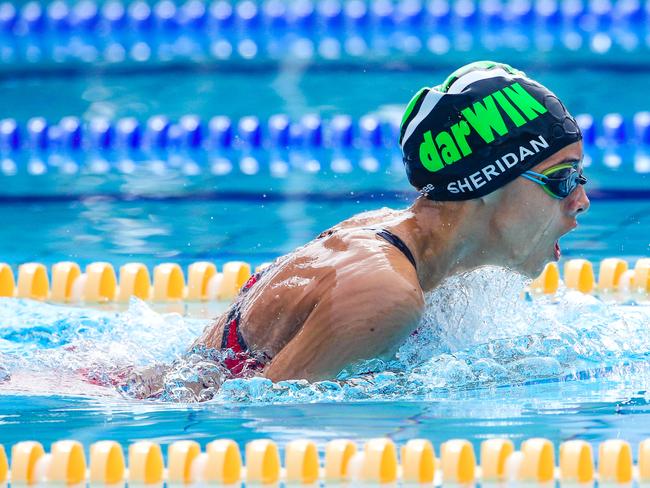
(621, 173)
(248, 15)
(280, 132)
(114, 30)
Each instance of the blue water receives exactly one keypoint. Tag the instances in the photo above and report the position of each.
(485, 363)
(237, 93)
(575, 368)
(191, 230)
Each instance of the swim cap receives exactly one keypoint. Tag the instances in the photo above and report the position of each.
(479, 130)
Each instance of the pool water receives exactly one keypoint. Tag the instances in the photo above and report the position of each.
(191, 230)
(571, 367)
(484, 363)
(602, 412)
(296, 92)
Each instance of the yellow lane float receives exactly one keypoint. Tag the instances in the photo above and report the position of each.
(106, 463)
(198, 277)
(99, 284)
(145, 463)
(614, 462)
(224, 463)
(338, 454)
(579, 275)
(458, 462)
(67, 465)
(610, 273)
(7, 282)
(262, 462)
(494, 453)
(33, 282)
(134, 282)
(168, 283)
(64, 275)
(220, 464)
(548, 282)
(576, 462)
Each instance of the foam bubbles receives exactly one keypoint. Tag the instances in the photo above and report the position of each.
(101, 347)
(477, 332)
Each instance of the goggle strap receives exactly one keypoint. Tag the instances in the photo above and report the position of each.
(536, 177)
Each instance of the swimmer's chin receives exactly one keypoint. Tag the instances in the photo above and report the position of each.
(532, 270)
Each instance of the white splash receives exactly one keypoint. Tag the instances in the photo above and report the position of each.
(477, 332)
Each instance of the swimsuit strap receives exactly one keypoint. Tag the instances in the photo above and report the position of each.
(398, 243)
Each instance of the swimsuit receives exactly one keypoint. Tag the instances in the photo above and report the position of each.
(242, 359)
(399, 244)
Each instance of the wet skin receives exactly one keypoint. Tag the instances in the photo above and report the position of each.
(350, 296)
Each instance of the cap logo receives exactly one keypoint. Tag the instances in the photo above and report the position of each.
(486, 119)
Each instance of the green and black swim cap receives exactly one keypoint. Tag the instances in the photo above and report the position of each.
(479, 130)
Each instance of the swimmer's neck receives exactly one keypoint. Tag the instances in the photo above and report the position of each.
(448, 238)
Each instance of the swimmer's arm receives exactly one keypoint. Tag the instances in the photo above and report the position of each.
(212, 334)
(352, 325)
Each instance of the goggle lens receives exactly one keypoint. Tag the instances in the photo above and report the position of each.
(562, 180)
(559, 181)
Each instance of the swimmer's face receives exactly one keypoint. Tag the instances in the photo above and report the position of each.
(529, 222)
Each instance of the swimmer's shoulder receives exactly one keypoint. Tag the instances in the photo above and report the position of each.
(348, 271)
(365, 219)
(365, 250)
(350, 253)
(363, 263)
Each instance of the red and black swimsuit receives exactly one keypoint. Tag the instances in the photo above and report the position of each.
(242, 360)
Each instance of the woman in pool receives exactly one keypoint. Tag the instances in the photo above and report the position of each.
(497, 161)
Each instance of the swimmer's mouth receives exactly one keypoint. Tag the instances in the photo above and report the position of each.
(557, 250)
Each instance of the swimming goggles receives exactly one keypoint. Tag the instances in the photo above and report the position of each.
(558, 181)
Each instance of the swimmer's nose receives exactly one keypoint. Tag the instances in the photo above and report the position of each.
(579, 202)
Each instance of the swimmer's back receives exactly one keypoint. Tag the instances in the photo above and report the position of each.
(336, 282)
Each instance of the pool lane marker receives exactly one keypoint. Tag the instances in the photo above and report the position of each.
(98, 284)
(378, 462)
(615, 279)
(189, 133)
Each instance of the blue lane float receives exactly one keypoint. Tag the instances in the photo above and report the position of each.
(247, 15)
(311, 132)
(264, 176)
(117, 31)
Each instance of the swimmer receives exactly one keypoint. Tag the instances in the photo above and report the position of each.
(497, 161)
